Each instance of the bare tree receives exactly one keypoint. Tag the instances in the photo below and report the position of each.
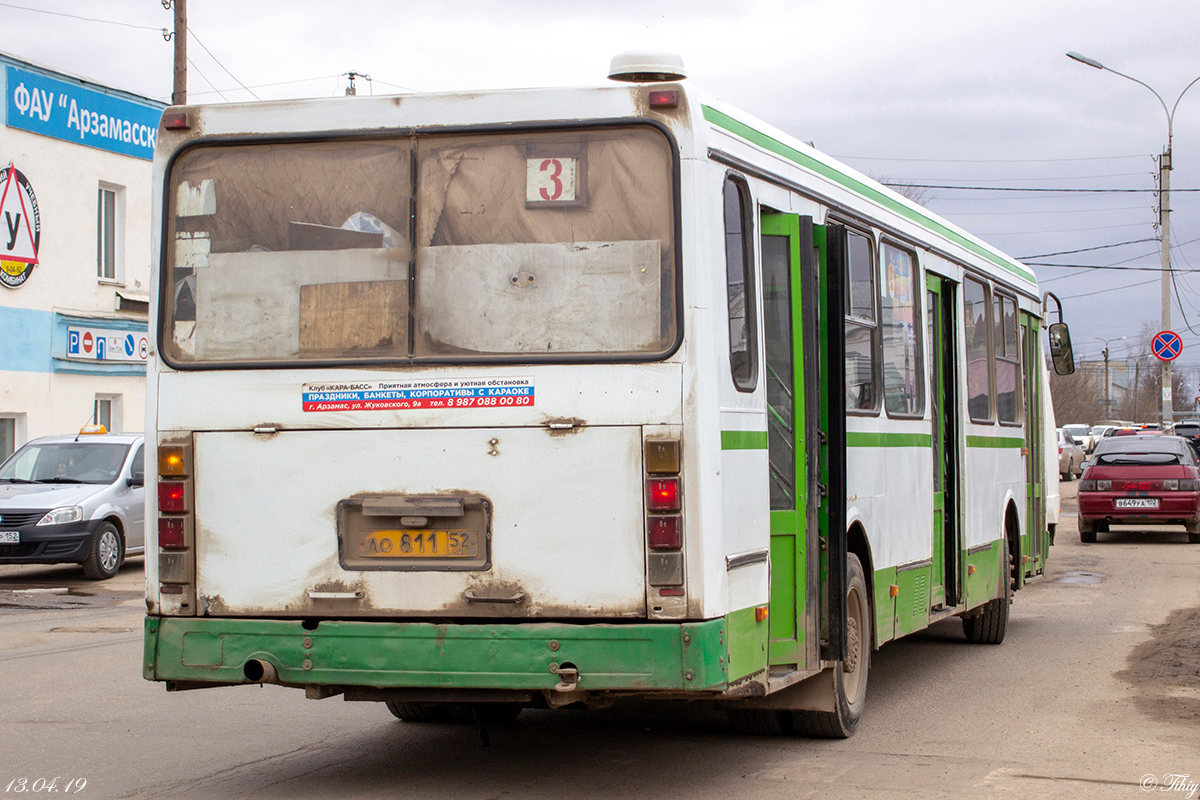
(918, 194)
(1077, 396)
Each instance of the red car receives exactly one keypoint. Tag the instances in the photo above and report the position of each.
(1145, 479)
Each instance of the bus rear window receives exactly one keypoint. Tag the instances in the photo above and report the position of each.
(554, 244)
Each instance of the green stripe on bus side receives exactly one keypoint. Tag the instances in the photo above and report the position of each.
(1000, 442)
(861, 439)
(858, 187)
(743, 440)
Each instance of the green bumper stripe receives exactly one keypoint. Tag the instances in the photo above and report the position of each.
(1001, 442)
(743, 440)
(858, 187)
(688, 656)
(889, 440)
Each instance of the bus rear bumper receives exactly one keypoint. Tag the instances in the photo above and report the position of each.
(336, 655)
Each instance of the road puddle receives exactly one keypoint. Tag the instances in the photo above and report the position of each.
(1079, 576)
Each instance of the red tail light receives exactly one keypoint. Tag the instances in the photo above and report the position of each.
(662, 494)
(170, 533)
(171, 497)
(664, 533)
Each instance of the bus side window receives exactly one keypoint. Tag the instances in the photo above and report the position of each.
(739, 271)
(903, 368)
(1008, 366)
(861, 326)
(976, 319)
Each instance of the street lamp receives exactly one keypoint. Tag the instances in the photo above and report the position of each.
(1164, 215)
(1107, 382)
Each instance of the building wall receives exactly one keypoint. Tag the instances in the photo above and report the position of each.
(49, 381)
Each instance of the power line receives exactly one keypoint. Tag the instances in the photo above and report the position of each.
(990, 160)
(1026, 189)
(277, 83)
(1035, 180)
(1064, 230)
(1113, 289)
(85, 19)
(1085, 249)
(1039, 213)
(1179, 303)
(397, 86)
(192, 64)
(1156, 268)
(222, 66)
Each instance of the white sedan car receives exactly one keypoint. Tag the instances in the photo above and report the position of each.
(78, 498)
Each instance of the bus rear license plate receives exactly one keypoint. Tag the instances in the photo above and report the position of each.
(10, 537)
(417, 544)
(1137, 502)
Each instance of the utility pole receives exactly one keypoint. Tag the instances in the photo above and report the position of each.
(1137, 386)
(179, 94)
(1107, 385)
(1164, 221)
(1107, 382)
(1164, 217)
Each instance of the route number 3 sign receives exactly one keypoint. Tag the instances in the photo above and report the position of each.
(554, 181)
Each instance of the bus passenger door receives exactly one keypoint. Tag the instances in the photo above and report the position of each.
(783, 323)
(1034, 542)
(939, 330)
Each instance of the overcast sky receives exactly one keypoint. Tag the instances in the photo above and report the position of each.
(924, 91)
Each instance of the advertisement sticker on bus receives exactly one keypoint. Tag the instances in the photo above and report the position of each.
(442, 393)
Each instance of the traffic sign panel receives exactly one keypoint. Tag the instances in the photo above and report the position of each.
(1166, 345)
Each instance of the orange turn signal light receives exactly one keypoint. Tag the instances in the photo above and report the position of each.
(172, 462)
(893, 591)
(761, 613)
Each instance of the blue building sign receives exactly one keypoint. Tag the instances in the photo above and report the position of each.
(72, 113)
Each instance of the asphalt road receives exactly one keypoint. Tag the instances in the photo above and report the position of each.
(1055, 711)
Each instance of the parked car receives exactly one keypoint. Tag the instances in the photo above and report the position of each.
(1082, 434)
(78, 498)
(1144, 479)
(1070, 456)
(1188, 428)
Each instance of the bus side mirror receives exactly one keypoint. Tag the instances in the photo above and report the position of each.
(1060, 349)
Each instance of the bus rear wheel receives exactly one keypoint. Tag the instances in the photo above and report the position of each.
(990, 625)
(850, 675)
(488, 713)
(419, 712)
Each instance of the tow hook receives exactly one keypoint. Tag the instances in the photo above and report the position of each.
(568, 679)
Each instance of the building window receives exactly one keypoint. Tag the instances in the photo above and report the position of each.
(107, 412)
(739, 272)
(861, 325)
(8, 437)
(110, 232)
(903, 373)
(1008, 368)
(977, 324)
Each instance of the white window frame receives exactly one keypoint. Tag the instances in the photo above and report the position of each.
(118, 192)
(19, 432)
(115, 409)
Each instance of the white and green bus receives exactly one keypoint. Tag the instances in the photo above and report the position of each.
(473, 402)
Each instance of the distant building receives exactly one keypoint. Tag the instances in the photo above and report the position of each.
(1120, 380)
(75, 189)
